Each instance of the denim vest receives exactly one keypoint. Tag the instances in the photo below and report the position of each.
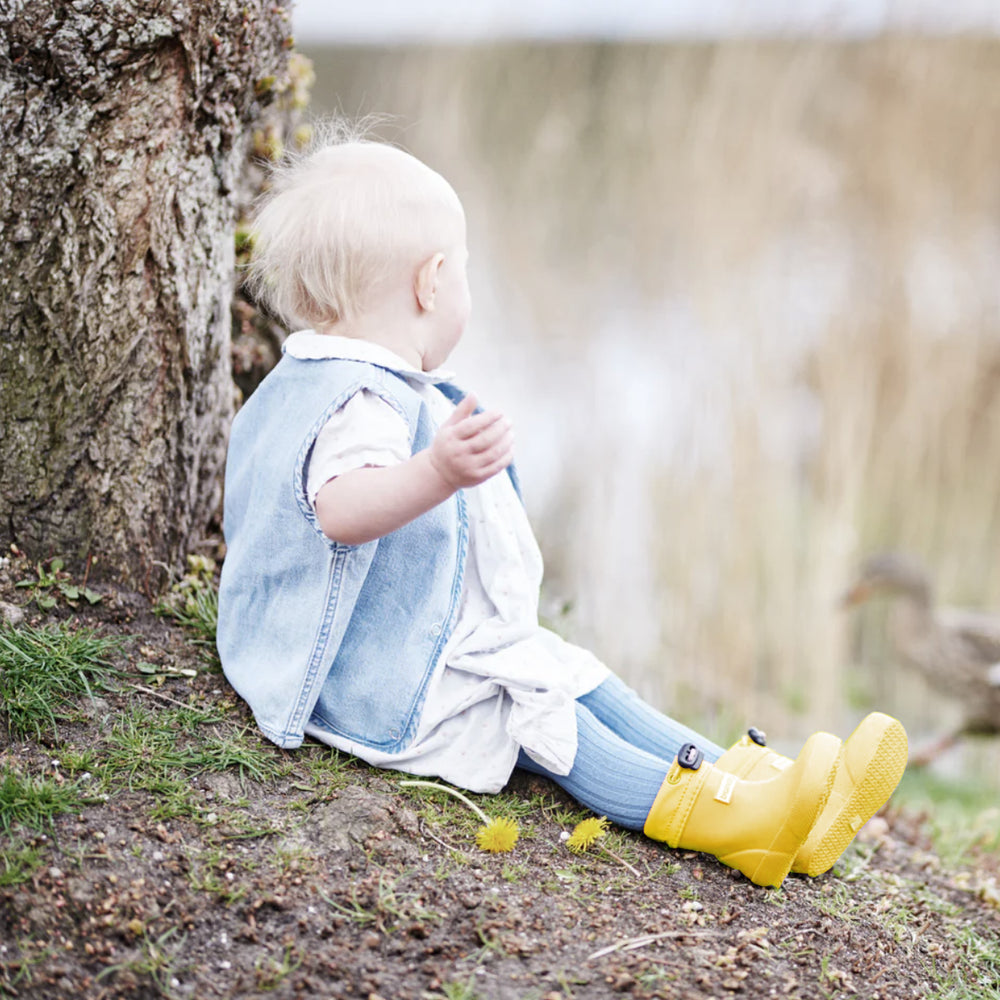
(299, 613)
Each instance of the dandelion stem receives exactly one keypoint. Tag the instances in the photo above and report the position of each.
(451, 791)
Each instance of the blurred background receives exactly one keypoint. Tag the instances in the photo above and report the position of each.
(735, 279)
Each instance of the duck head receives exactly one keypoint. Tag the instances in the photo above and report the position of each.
(889, 574)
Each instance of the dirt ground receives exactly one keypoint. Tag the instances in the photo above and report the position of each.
(250, 872)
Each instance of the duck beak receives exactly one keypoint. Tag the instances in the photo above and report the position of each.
(858, 593)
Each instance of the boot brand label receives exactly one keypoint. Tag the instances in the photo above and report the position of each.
(726, 786)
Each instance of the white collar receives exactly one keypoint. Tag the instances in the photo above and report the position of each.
(308, 345)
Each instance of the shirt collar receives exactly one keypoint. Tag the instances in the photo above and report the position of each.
(307, 345)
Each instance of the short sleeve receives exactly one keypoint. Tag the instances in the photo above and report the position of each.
(365, 431)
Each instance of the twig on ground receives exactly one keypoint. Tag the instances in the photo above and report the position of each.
(158, 694)
(630, 944)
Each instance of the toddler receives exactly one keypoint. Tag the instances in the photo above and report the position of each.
(380, 587)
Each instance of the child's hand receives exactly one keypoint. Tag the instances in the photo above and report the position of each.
(470, 448)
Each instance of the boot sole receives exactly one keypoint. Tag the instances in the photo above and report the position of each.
(869, 791)
(817, 763)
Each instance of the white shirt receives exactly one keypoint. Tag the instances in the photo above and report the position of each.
(502, 682)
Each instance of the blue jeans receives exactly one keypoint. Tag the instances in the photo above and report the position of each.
(624, 750)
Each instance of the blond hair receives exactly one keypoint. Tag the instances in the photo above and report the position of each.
(336, 220)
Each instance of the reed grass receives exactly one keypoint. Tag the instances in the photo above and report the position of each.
(741, 300)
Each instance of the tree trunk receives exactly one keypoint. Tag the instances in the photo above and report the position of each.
(124, 125)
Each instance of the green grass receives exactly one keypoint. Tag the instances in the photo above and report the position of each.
(242, 751)
(174, 798)
(457, 989)
(158, 961)
(976, 978)
(384, 908)
(961, 815)
(199, 614)
(319, 770)
(149, 748)
(18, 862)
(193, 602)
(159, 752)
(34, 802)
(212, 879)
(43, 671)
(270, 972)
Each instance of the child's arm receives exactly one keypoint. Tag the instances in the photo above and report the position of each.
(365, 504)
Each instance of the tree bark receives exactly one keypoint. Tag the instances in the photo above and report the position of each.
(125, 127)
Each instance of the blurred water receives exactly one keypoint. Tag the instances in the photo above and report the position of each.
(723, 290)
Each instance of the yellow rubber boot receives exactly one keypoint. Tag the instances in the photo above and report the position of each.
(756, 827)
(870, 766)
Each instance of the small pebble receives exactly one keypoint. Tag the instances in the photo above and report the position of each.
(11, 613)
(875, 829)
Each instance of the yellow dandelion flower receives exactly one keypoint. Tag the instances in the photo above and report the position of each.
(498, 836)
(586, 833)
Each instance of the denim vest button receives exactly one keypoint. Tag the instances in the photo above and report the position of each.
(435, 629)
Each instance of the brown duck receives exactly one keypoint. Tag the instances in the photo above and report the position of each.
(957, 651)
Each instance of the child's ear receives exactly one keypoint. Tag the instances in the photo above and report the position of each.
(425, 282)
